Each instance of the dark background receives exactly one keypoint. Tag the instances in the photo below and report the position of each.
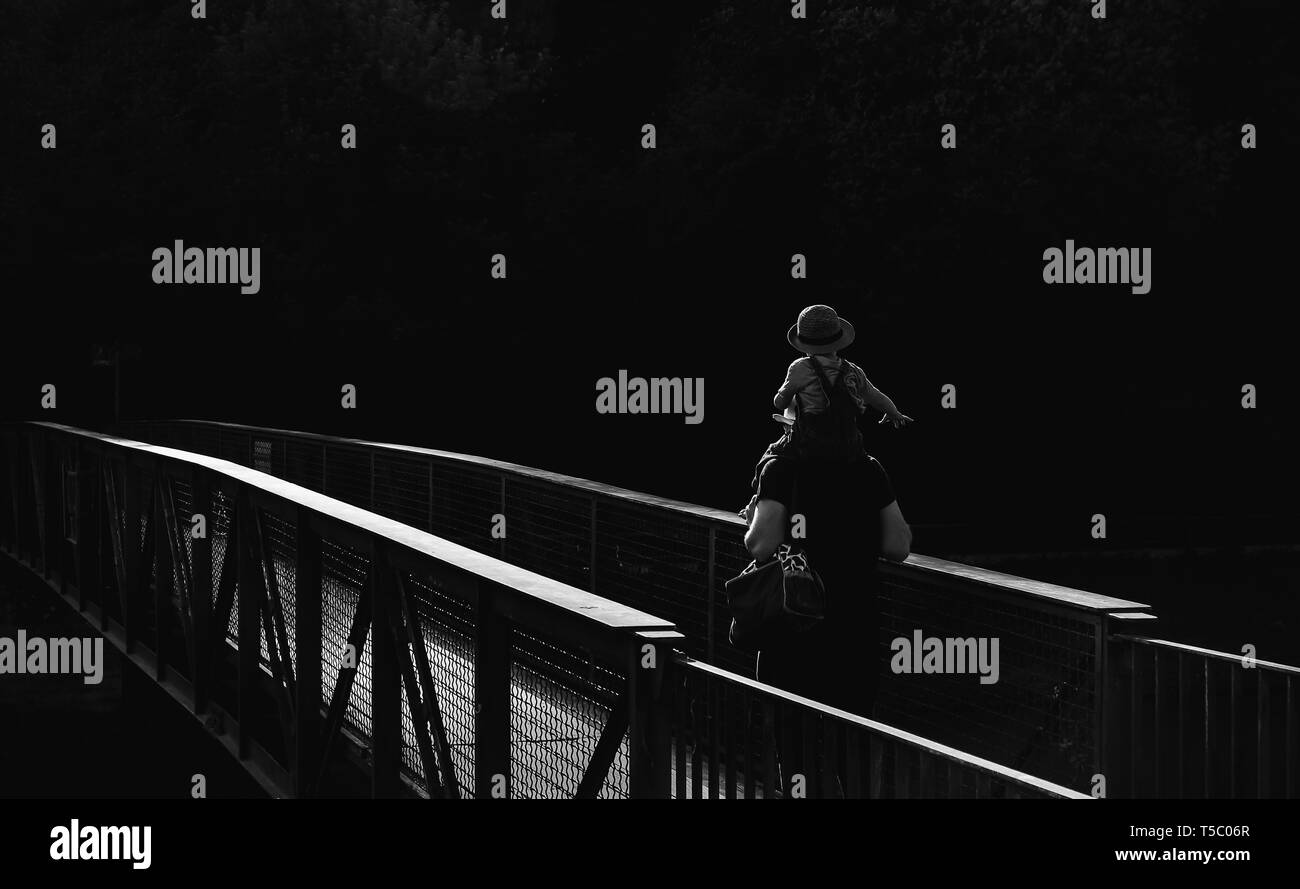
(775, 136)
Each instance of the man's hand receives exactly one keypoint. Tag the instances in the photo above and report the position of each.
(748, 512)
(898, 420)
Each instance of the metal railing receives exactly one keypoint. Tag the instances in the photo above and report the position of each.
(1191, 722)
(297, 625)
(736, 738)
(671, 558)
(300, 627)
(1049, 714)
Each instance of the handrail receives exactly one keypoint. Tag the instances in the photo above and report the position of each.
(1226, 656)
(238, 623)
(672, 558)
(595, 487)
(1059, 710)
(888, 733)
(1042, 590)
(543, 589)
(436, 653)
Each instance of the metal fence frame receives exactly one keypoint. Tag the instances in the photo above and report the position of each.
(1063, 714)
(671, 558)
(162, 599)
(1190, 722)
(737, 738)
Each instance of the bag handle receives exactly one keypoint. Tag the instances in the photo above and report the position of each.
(794, 495)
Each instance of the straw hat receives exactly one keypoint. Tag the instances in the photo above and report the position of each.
(819, 331)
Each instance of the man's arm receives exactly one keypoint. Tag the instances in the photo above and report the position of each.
(895, 535)
(767, 530)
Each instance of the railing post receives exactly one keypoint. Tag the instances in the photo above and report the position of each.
(492, 659)
(711, 594)
(1101, 694)
(250, 647)
(130, 552)
(105, 564)
(385, 681)
(1139, 747)
(163, 582)
(591, 544)
(307, 644)
(40, 501)
(201, 593)
(650, 714)
(307, 655)
(1263, 744)
(87, 526)
(1115, 708)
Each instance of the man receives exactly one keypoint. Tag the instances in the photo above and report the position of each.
(849, 518)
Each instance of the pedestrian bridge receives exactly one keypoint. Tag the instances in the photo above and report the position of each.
(316, 600)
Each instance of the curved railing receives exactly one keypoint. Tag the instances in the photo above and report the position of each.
(321, 641)
(670, 558)
(1061, 708)
(298, 624)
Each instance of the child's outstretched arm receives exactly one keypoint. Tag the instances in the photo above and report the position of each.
(882, 402)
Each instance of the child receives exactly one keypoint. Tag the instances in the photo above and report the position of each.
(805, 396)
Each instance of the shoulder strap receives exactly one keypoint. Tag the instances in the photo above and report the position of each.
(821, 376)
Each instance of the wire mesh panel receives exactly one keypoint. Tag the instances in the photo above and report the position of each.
(219, 525)
(196, 437)
(402, 489)
(148, 538)
(304, 463)
(347, 475)
(179, 616)
(278, 563)
(400, 648)
(263, 455)
(549, 530)
(111, 517)
(653, 563)
(357, 714)
(673, 559)
(561, 701)
(1040, 713)
(345, 573)
(235, 446)
(464, 501)
(447, 630)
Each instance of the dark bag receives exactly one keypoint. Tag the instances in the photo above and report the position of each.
(776, 599)
(832, 434)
